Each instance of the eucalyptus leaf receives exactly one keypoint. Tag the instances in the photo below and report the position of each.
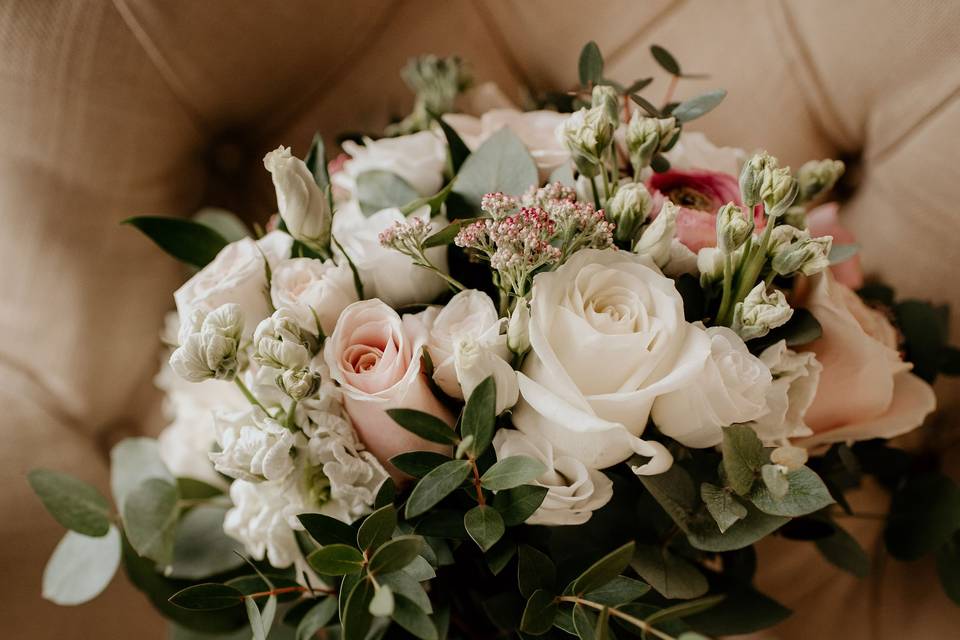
(672, 577)
(564, 175)
(535, 570)
(665, 59)
(418, 463)
(447, 235)
(200, 547)
(704, 535)
(722, 505)
(437, 485)
(603, 570)
(413, 619)
(479, 417)
(355, 618)
(590, 65)
(378, 189)
(484, 525)
(207, 596)
(425, 425)
(775, 480)
(743, 456)
(512, 472)
(150, 517)
(948, 568)
(73, 503)
(317, 618)
(519, 503)
(316, 162)
(805, 494)
(193, 489)
(395, 554)
(842, 252)
(618, 591)
(336, 560)
(188, 241)
(456, 147)
(539, 613)
(403, 584)
(382, 602)
(377, 528)
(500, 555)
(685, 609)
(502, 163)
(326, 530)
(675, 492)
(81, 567)
(701, 105)
(224, 222)
(845, 552)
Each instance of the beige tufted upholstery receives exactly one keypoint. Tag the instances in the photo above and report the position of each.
(161, 106)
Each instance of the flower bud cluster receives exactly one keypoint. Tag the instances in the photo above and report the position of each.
(734, 228)
(628, 209)
(760, 312)
(763, 180)
(817, 176)
(209, 344)
(646, 136)
(586, 134)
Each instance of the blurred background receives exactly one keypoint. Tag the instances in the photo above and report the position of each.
(114, 108)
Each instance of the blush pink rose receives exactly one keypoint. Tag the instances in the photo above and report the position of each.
(824, 221)
(866, 390)
(698, 193)
(375, 356)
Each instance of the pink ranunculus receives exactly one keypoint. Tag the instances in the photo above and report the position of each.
(375, 356)
(866, 390)
(824, 221)
(698, 193)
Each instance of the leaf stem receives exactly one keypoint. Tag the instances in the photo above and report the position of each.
(645, 626)
(476, 482)
(296, 589)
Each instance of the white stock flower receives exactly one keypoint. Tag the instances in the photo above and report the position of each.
(313, 291)
(419, 158)
(795, 380)
(388, 274)
(280, 342)
(466, 346)
(731, 388)
(760, 312)
(208, 345)
(253, 446)
(263, 519)
(354, 475)
(607, 336)
(574, 491)
(304, 207)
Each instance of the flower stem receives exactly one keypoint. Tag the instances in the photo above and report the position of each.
(596, 196)
(727, 288)
(249, 396)
(476, 482)
(288, 421)
(422, 261)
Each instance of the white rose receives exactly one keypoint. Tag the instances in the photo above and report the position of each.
(608, 336)
(535, 129)
(795, 380)
(237, 275)
(574, 491)
(419, 158)
(731, 388)
(388, 274)
(253, 446)
(304, 207)
(313, 291)
(466, 346)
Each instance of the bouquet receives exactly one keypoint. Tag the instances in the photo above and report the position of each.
(529, 373)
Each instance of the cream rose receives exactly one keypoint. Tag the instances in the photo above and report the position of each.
(419, 158)
(731, 388)
(388, 274)
(375, 356)
(467, 345)
(607, 337)
(313, 291)
(574, 491)
(866, 390)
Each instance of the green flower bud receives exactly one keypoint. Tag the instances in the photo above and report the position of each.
(607, 97)
(518, 331)
(760, 312)
(586, 134)
(778, 191)
(818, 176)
(646, 135)
(733, 227)
(752, 177)
(796, 216)
(298, 383)
(628, 209)
(807, 255)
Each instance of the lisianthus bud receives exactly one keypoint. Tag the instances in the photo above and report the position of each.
(760, 312)
(806, 255)
(279, 342)
(208, 349)
(818, 176)
(646, 135)
(606, 96)
(298, 383)
(518, 331)
(304, 207)
(628, 209)
(710, 266)
(778, 191)
(752, 177)
(586, 134)
(733, 227)
(657, 238)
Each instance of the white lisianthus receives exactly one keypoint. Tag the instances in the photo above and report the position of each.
(304, 207)
(518, 331)
(731, 388)
(237, 275)
(466, 346)
(574, 491)
(253, 446)
(419, 158)
(313, 292)
(607, 336)
(388, 274)
(795, 380)
(208, 345)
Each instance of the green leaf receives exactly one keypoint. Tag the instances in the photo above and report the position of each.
(647, 106)
(800, 329)
(722, 506)
(842, 252)
(378, 189)
(207, 596)
(396, 554)
(924, 513)
(382, 602)
(685, 609)
(456, 147)
(924, 328)
(435, 202)
(326, 530)
(188, 241)
(564, 175)
(258, 583)
(743, 456)
(81, 567)
(412, 618)
(618, 591)
(638, 85)
(260, 623)
(442, 523)
(757, 525)
(672, 577)
(590, 65)
(73, 503)
(502, 163)
(603, 570)
(484, 526)
(317, 618)
(479, 417)
(775, 480)
(316, 162)
(539, 613)
(659, 163)
(675, 492)
(845, 552)
(418, 463)
(224, 222)
(377, 528)
(744, 610)
(805, 494)
(193, 489)
(500, 555)
(602, 630)
(200, 547)
(666, 60)
(512, 472)
(436, 485)
(132, 461)
(446, 235)
(519, 503)
(386, 494)
(535, 570)
(425, 425)
(336, 560)
(584, 622)
(150, 518)
(948, 568)
(403, 584)
(701, 105)
(355, 618)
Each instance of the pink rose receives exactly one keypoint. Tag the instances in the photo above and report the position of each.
(375, 356)
(866, 390)
(699, 194)
(823, 221)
